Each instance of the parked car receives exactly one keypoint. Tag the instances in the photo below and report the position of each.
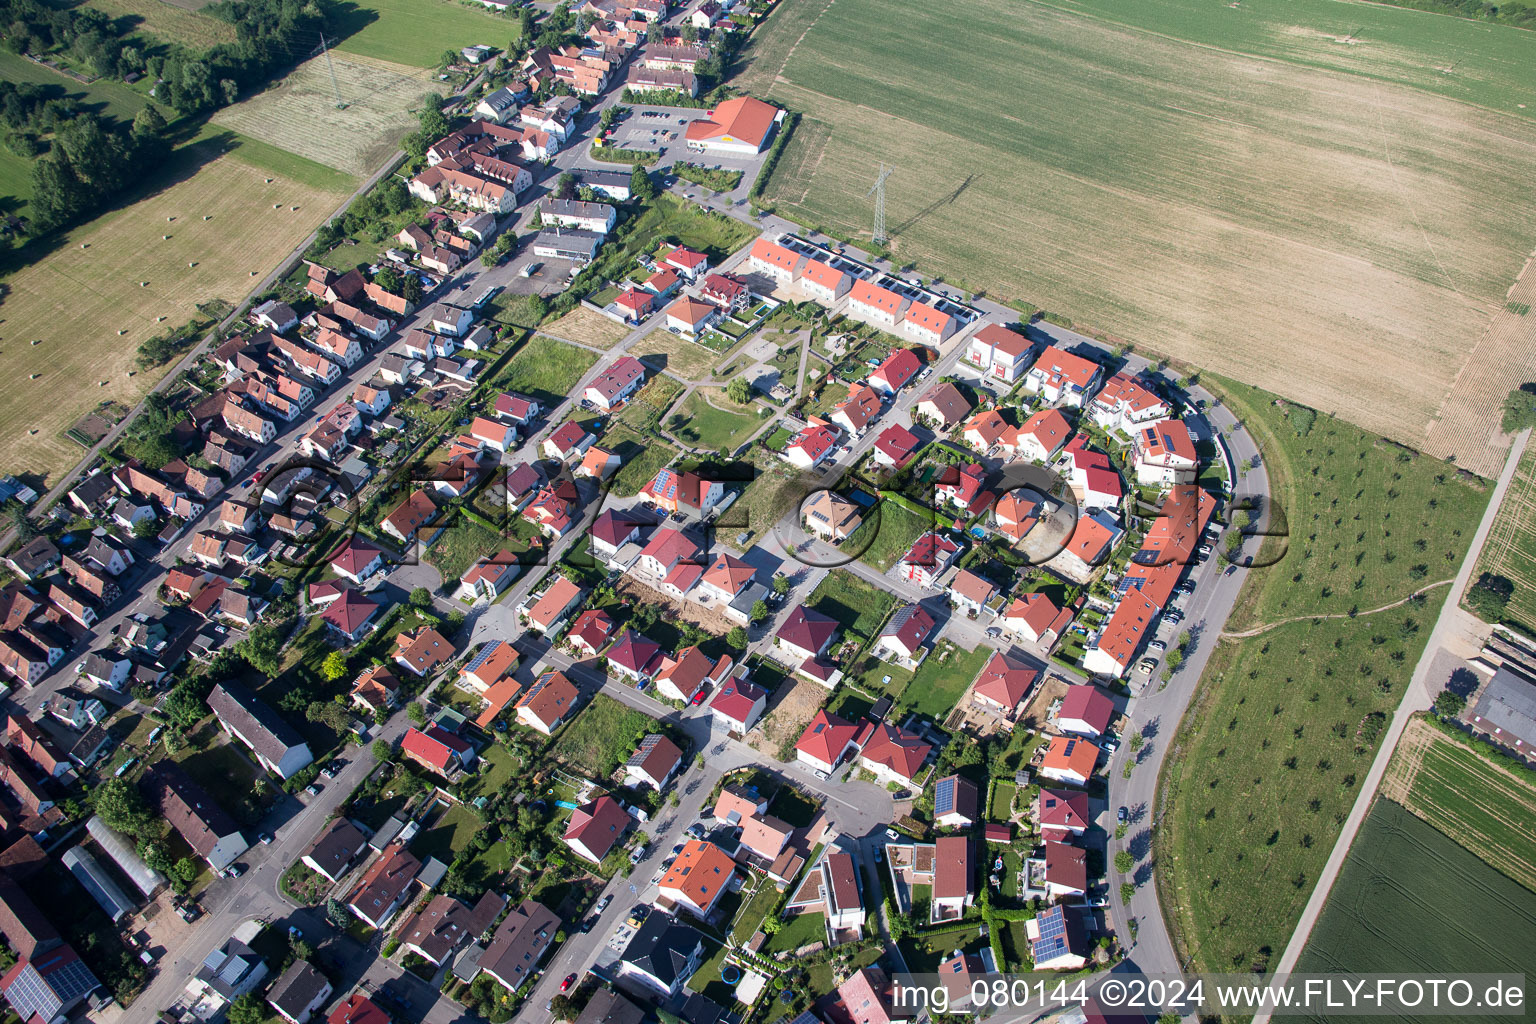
(695, 831)
(823, 776)
(638, 854)
(1174, 617)
(234, 871)
(586, 925)
(993, 632)
(602, 904)
(1158, 646)
(1122, 816)
(1147, 665)
(313, 789)
(266, 838)
(677, 849)
(699, 697)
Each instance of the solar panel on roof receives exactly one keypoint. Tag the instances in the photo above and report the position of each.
(944, 796)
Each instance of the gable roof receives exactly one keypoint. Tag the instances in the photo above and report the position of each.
(549, 698)
(598, 825)
(950, 404)
(1088, 703)
(806, 629)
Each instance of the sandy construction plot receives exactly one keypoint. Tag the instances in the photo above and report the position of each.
(586, 327)
(299, 114)
(78, 299)
(1341, 241)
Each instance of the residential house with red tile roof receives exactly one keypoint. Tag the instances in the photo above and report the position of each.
(944, 405)
(615, 384)
(1085, 711)
(1004, 683)
(422, 651)
(1127, 403)
(1164, 454)
(653, 763)
(927, 559)
(596, 828)
(810, 447)
(1069, 759)
(698, 877)
(826, 741)
(1001, 354)
(738, 704)
(895, 447)
(874, 304)
(591, 632)
(898, 369)
(894, 755)
(570, 441)
(902, 638)
(806, 634)
(824, 282)
(634, 656)
(969, 593)
(775, 261)
(1035, 619)
(1061, 812)
(1063, 378)
(437, 749)
(412, 518)
(1113, 651)
(547, 611)
(1043, 435)
(547, 702)
(489, 576)
(357, 560)
(923, 323)
(858, 410)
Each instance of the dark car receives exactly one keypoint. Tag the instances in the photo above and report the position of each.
(1122, 816)
(586, 925)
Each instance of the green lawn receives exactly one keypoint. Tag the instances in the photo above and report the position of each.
(800, 930)
(228, 776)
(884, 537)
(416, 32)
(545, 369)
(1409, 899)
(465, 541)
(448, 835)
(601, 737)
(925, 951)
(672, 220)
(756, 909)
(715, 422)
(941, 679)
(1002, 801)
(858, 605)
(648, 405)
(1270, 754)
(267, 157)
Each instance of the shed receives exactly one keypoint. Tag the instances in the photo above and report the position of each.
(95, 880)
(115, 845)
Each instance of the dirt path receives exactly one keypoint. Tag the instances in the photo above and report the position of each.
(1257, 630)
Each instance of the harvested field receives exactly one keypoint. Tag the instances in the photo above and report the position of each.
(1511, 548)
(684, 359)
(1482, 805)
(299, 113)
(1182, 194)
(586, 327)
(78, 299)
(1409, 899)
(173, 23)
(791, 708)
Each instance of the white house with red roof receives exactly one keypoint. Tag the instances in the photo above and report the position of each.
(615, 528)
(596, 828)
(1016, 513)
(591, 632)
(894, 755)
(895, 447)
(1164, 454)
(570, 441)
(921, 322)
(811, 447)
(1061, 813)
(437, 749)
(683, 491)
(1035, 619)
(1085, 711)
(896, 371)
(1005, 681)
(725, 580)
(351, 615)
(667, 549)
(858, 410)
(1061, 377)
(999, 353)
(1092, 477)
(874, 305)
(691, 316)
(901, 639)
(518, 409)
(726, 292)
(1125, 403)
(826, 742)
(494, 433)
(634, 305)
(774, 261)
(738, 704)
(653, 763)
(634, 656)
(805, 634)
(686, 262)
(824, 282)
(615, 384)
(1043, 435)
(927, 558)
(691, 670)
(357, 560)
(959, 488)
(1114, 650)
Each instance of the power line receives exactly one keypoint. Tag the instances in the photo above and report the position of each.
(878, 191)
(332, 69)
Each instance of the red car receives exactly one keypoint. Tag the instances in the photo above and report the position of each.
(565, 986)
(698, 698)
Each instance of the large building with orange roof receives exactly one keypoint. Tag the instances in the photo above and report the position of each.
(1069, 759)
(1113, 651)
(739, 126)
(698, 877)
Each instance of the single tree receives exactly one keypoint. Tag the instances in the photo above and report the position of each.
(1449, 704)
(121, 807)
(421, 597)
(737, 638)
(640, 185)
(416, 713)
(334, 666)
(780, 584)
(1124, 862)
(248, 1009)
(759, 611)
(739, 391)
(382, 751)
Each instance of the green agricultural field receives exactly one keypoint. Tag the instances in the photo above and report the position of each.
(858, 605)
(168, 22)
(418, 31)
(545, 369)
(1511, 548)
(1182, 179)
(1267, 761)
(1409, 899)
(1486, 806)
(602, 737)
(716, 422)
